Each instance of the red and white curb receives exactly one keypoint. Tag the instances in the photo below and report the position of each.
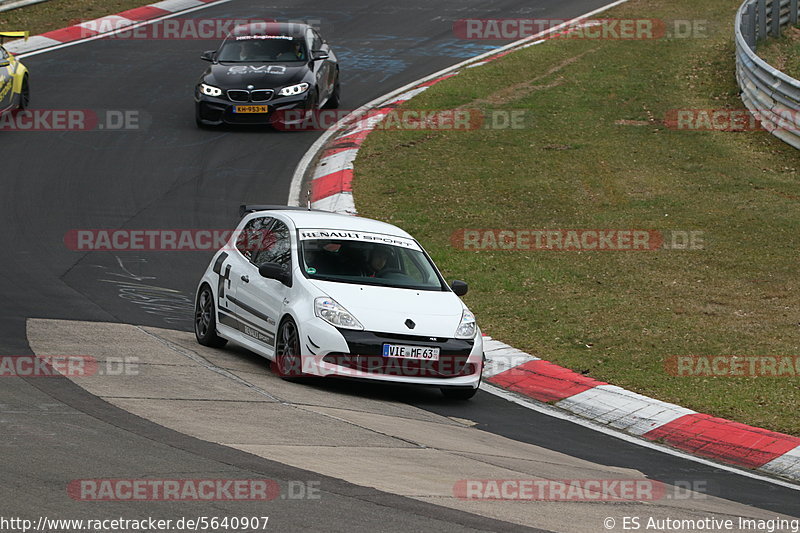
(699, 434)
(331, 159)
(331, 183)
(106, 25)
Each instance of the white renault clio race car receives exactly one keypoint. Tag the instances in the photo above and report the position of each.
(323, 294)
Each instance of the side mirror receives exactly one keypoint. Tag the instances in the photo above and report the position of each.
(317, 55)
(208, 55)
(459, 287)
(277, 272)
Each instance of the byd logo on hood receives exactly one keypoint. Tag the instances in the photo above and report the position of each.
(263, 69)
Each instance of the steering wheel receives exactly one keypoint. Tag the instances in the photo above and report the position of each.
(383, 273)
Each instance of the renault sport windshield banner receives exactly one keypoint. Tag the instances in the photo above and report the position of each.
(349, 235)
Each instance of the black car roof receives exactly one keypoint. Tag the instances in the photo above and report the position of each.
(289, 29)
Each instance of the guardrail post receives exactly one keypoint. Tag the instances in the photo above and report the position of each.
(793, 12)
(761, 29)
(749, 25)
(775, 30)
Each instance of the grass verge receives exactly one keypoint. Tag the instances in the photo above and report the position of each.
(598, 154)
(783, 53)
(56, 14)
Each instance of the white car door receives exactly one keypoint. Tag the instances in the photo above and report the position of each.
(260, 301)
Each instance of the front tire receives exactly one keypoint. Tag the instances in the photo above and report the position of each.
(309, 120)
(24, 95)
(336, 97)
(205, 320)
(288, 361)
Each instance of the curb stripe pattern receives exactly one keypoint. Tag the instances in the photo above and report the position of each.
(726, 441)
(331, 183)
(84, 30)
(700, 434)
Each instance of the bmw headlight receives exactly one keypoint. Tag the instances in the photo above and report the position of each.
(210, 90)
(334, 314)
(468, 327)
(293, 90)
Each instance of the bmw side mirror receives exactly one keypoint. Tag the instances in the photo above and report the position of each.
(459, 287)
(317, 55)
(208, 55)
(276, 271)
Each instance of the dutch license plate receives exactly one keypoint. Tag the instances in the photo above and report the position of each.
(251, 109)
(402, 351)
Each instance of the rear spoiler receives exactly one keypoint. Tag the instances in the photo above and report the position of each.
(247, 209)
(14, 35)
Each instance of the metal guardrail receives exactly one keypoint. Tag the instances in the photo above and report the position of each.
(772, 96)
(6, 5)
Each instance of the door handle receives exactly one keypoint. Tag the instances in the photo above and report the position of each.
(246, 279)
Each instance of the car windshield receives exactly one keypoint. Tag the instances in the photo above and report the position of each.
(367, 259)
(262, 49)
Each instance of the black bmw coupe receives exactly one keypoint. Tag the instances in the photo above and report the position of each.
(266, 74)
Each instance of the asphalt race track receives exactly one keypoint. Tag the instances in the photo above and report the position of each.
(169, 175)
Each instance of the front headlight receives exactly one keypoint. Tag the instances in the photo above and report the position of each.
(468, 327)
(210, 90)
(334, 314)
(293, 90)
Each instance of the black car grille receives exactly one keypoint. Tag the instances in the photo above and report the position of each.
(243, 96)
(261, 95)
(237, 95)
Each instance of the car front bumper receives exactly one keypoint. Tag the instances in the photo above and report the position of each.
(332, 352)
(215, 111)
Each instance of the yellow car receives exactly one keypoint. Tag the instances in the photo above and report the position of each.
(15, 91)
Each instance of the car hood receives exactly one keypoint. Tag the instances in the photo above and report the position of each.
(386, 309)
(259, 75)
